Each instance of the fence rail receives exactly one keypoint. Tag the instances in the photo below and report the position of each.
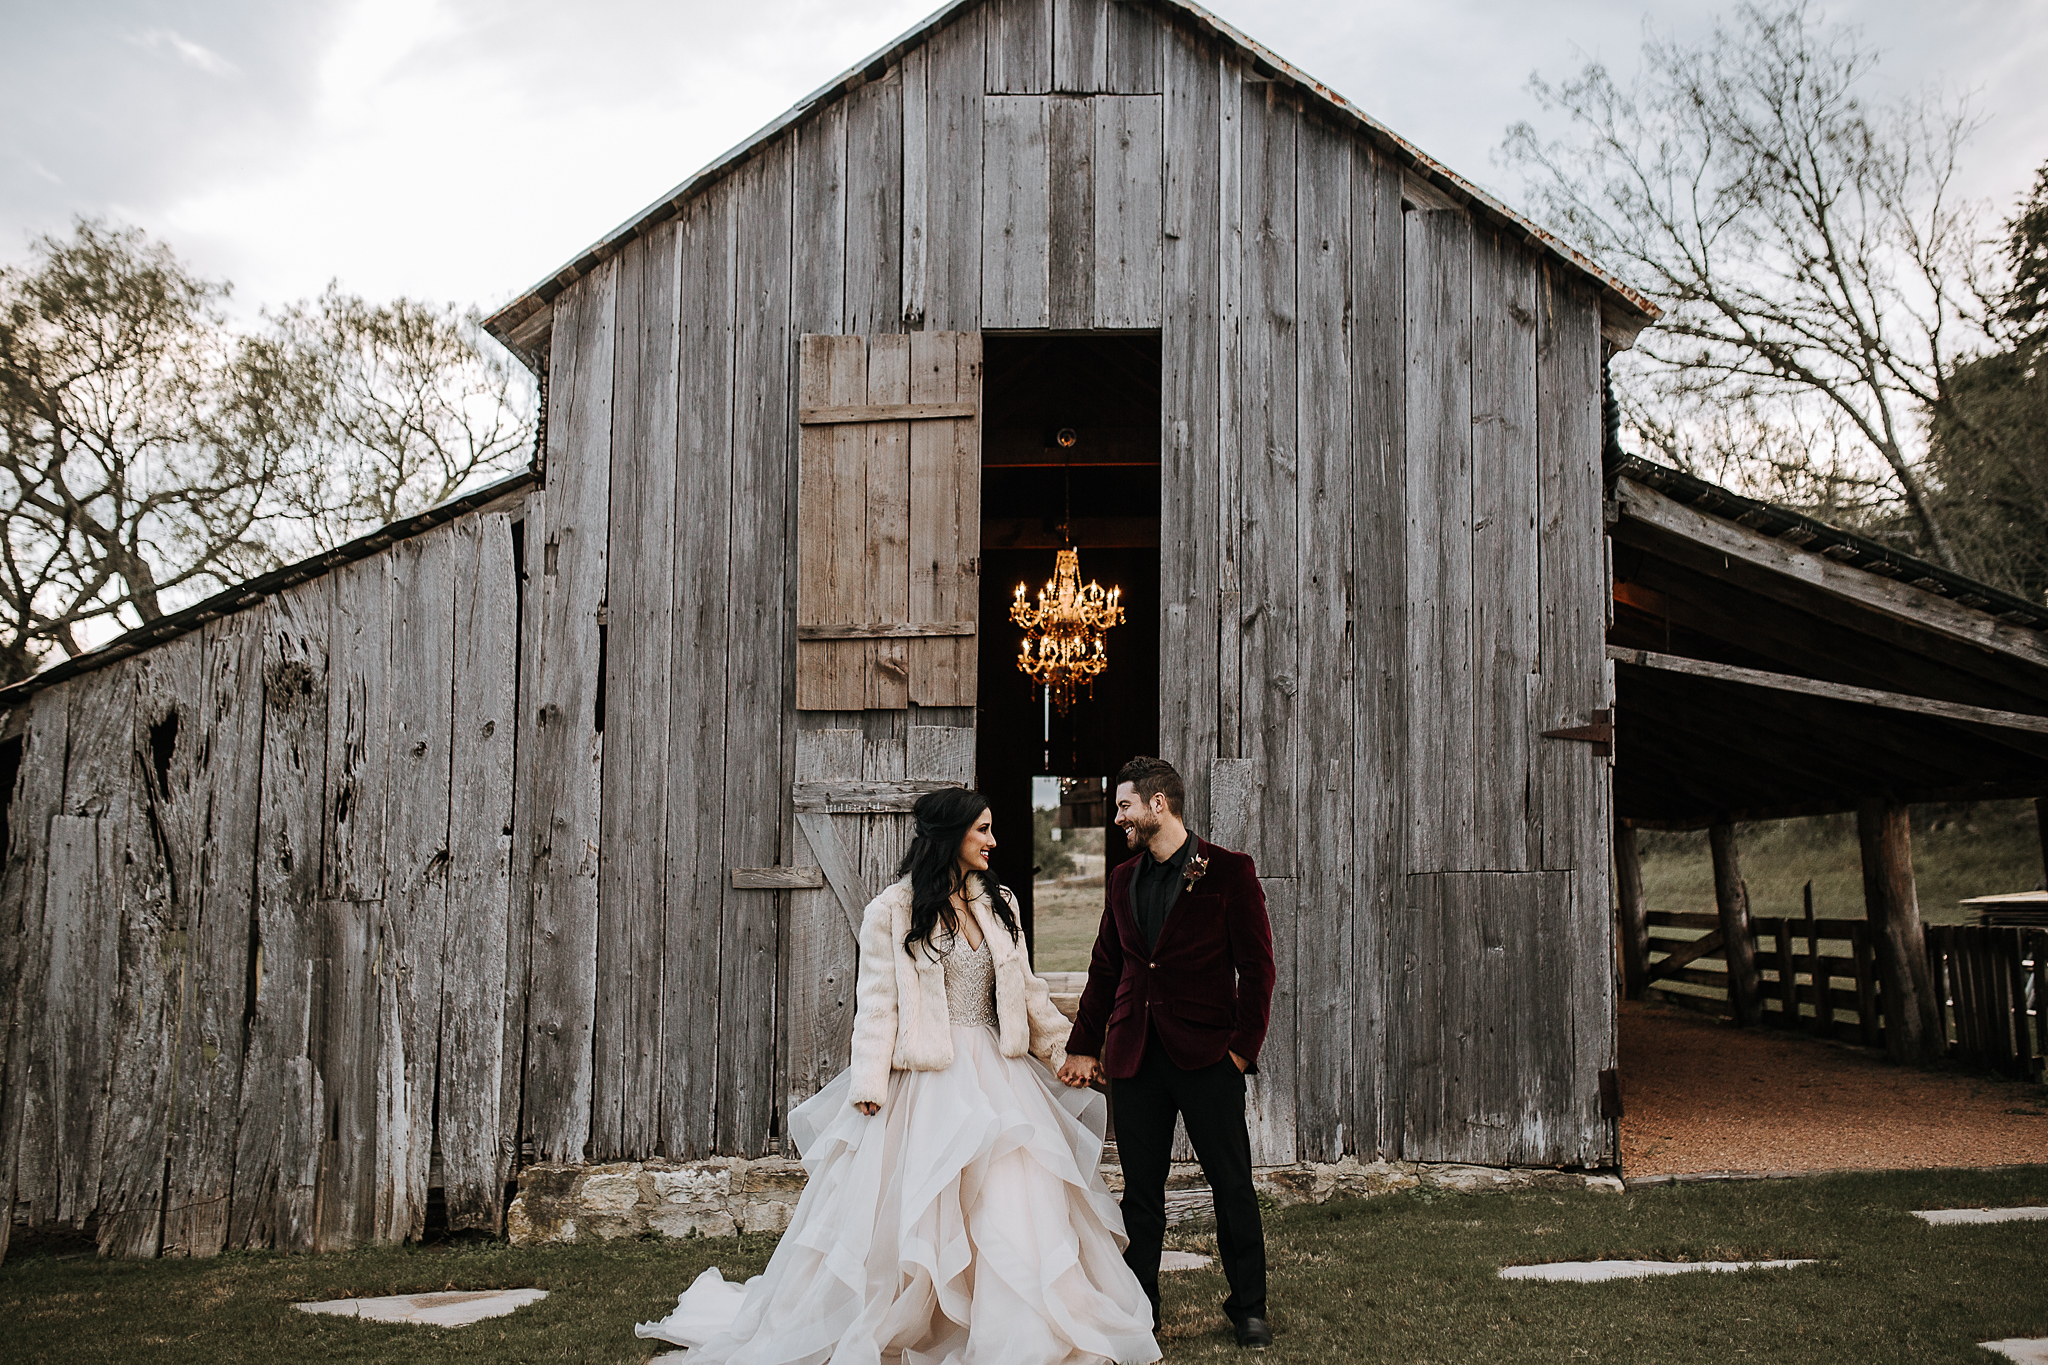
(1991, 984)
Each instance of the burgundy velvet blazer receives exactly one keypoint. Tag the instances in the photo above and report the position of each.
(1207, 987)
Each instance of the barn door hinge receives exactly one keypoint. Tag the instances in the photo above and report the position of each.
(1610, 1094)
(1599, 734)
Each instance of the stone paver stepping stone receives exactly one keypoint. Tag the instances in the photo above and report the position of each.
(456, 1309)
(1941, 1216)
(2028, 1351)
(1589, 1272)
(1184, 1260)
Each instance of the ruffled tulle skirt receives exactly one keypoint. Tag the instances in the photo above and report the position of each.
(965, 1224)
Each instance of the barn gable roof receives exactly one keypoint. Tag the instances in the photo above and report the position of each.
(523, 325)
(1769, 665)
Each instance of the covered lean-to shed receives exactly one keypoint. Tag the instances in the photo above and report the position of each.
(1330, 414)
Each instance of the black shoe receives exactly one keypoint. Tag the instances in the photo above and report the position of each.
(1253, 1334)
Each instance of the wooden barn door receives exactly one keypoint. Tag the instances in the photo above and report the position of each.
(888, 578)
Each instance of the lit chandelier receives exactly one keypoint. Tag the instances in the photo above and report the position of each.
(1063, 646)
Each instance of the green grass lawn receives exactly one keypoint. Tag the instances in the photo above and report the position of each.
(1063, 924)
(1958, 851)
(1407, 1278)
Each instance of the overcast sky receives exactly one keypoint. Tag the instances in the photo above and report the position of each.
(462, 149)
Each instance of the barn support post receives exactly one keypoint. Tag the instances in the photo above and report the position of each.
(1635, 922)
(2041, 822)
(1731, 900)
(1912, 1032)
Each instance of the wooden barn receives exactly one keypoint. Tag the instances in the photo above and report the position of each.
(535, 829)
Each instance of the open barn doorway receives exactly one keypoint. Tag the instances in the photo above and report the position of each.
(1070, 437)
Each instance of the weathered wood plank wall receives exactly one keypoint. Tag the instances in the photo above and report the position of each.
(493, 781)
(256, 908)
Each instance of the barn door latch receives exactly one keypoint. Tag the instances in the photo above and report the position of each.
(1599, 734)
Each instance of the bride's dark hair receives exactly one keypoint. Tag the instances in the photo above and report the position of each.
(933, 864)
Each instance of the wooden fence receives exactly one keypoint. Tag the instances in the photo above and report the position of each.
(1991, 984)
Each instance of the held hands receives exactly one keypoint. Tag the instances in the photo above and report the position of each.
(1079, 1071)
(869, 1107)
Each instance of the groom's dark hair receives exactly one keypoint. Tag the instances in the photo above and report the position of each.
(1150, 777)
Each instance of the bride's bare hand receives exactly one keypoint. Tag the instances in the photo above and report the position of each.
(869, 1107)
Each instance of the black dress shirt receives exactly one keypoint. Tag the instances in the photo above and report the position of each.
(1155, 887)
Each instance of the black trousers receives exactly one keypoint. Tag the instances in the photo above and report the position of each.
(1211, 1103)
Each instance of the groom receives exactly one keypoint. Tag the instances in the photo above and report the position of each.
(1179, 992)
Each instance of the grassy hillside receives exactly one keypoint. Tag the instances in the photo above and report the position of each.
(1958, 851)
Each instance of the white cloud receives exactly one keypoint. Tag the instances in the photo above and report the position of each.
(190, 53)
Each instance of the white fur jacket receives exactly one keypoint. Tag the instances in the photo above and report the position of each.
(900, 1020)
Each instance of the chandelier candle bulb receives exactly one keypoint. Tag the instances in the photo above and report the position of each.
(1063, 634)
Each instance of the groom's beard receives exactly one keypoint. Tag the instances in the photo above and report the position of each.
(1140, 830)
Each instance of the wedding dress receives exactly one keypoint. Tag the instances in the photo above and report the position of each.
(965, 1224)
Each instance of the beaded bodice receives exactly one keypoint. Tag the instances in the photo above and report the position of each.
(971, 984)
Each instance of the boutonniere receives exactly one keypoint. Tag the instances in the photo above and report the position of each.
(1194, 870)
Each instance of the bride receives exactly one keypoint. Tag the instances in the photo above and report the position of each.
(953, 1213)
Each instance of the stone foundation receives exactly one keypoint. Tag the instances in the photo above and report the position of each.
(724, 1196)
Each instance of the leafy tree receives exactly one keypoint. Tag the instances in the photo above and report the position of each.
(1817, 272)
(151, 454)
(399, 406)
(1988, 449)
(138, 447)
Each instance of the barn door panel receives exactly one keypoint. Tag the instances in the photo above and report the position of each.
(888, 521)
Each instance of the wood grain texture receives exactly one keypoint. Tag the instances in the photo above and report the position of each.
(952, 152)
(1571, 788)
(777, 878)
(874, 206)
(1505, 583)
(821, 951)
(1070, 212)
(694, 839)
(475, 988)
(36, 799)
(348, 1037)
(1912, 1016)
(1323, 776)
(1191, 387)
(831, 525)
(1015, 211)
(884, 538)
(1443, 782)
(1267, 478)
(82, 959)
(887, 796)
(758, 649)
(1080, 46)
(63, 1128)
(1275, 1096)
(164, 837)
(357, 755)
(883, 412)
(1231, 793)
(414, 962)
(1129, 150)
(277, 1153)
(945, 518)
(569, 747)
(1229, 525)
(917, 182)
(1134, 41)
(1379, 538)
(206, 1103)
(1020, 43)
(640, 597)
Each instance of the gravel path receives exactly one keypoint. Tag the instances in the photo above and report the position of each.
(1700, 1095)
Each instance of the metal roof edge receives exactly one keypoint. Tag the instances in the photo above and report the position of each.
(1844, 547)
(504, 322)
(243, 596)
